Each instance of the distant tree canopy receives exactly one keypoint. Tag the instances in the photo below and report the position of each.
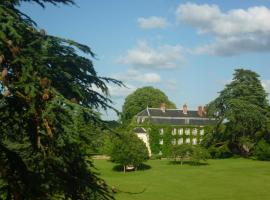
(140, 99)
(244, 110)
(47, 112)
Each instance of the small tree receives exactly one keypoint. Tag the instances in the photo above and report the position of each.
(180, 152)
(126, 149)
(199, 154)
(195, 154)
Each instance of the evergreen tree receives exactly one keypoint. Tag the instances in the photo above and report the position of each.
(243, 108)
(47, 117)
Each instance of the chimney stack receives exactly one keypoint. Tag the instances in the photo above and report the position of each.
(163, 107)
(200, 111)
(185, 109)
(204, 110)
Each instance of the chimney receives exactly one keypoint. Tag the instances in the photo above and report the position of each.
(200, 111)
(185, 110)
(204, 110)
(163, 107)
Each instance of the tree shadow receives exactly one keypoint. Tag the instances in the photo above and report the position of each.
(191, 163)
(141, 167)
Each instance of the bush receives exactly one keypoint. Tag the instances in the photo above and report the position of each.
(262, 150)
(222, 151)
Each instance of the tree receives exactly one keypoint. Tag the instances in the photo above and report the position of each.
(181, 152)
(140, 99)
(47, 112)
(126, 149)
(262, 150)
(243, 108)
(193, 153)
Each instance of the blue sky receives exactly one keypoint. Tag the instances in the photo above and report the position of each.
(188, 49)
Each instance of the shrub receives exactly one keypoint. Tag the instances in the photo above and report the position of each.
(262, 150)
(221, 151)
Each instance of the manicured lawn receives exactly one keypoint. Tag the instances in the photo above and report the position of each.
(228, 179)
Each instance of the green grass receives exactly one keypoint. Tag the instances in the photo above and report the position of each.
(228, 179)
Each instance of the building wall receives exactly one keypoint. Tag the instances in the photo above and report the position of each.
(159, 139)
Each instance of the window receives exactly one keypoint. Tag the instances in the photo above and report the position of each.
(180, 141)
(187, 140)
(187, 131)
(194, 131)
(194, 141)
(161, 142)
(161, 131)
(174, 141)
(180, 131)
(174, 131)
(202, 132)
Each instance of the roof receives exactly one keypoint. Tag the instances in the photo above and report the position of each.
(175, 117)
(157, 112)
(139, 130)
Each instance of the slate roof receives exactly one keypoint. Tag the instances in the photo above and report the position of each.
(156, 112)
(175, 117)
(139, 130)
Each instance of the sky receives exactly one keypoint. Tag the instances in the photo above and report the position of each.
(188, 49)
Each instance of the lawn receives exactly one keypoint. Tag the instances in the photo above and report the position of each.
(228, 179)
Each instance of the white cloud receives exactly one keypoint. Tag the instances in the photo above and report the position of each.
(236, 31)
(116, 91)
(137, 76)
(266, 85)
(152, 22)
(161, 57)
(120, 92)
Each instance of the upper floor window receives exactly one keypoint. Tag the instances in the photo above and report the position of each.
(180, 131)
(161, 131)
(202, 132)
(194, 131)
(174, 131)
(187, 131)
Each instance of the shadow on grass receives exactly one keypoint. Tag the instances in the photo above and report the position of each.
(191, 163)
(141, 167)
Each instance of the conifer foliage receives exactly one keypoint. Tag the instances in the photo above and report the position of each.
(47, 117)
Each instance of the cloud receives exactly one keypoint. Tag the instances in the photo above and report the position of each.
(116, 91)
(152, 22)
(236, 31)
(161, 57)
(120, 92)
(136, 76)
(266, 85)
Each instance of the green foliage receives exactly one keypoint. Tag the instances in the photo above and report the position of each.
(140, 99)
(48, 124)
(186, 152)
(181, 152)
(262, 150)
(220, 151)
(126, 149)
(241, 111)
